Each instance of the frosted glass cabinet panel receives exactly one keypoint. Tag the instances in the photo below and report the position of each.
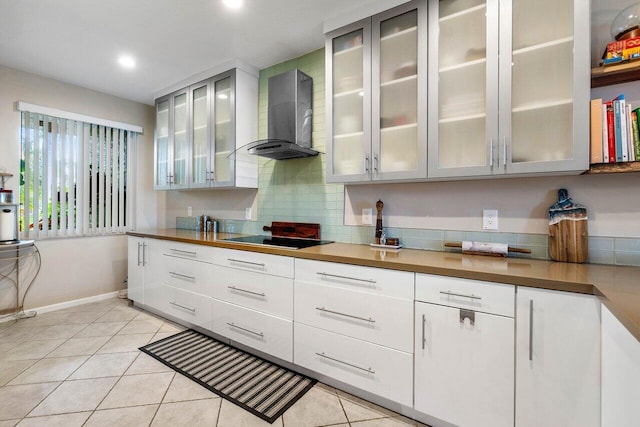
(376, 76)
(223, 143)
(508, 87)
(180, 140)
(200, 126)
(546, 73)
(162, 167)
(349, 99)
(199, 129)
(463, 83)
(396, 85)
(171, 150)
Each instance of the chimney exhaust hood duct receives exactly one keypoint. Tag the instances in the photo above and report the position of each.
(289, 118)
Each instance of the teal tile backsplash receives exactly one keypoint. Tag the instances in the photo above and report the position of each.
(295, 190)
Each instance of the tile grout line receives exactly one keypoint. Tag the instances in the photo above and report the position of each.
(163, 396)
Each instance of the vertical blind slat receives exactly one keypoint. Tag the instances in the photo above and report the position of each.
(46, 185)
(86, 187)
(27, 124)
(107, 176)
(62, 189)
(75, 177)
(122, 184)
(36, 177)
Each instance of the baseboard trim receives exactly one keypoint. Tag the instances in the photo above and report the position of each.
(73, 303)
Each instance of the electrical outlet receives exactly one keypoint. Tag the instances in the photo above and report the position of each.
(367, 216)
(489, 219)
(247, 213)
(189, 211)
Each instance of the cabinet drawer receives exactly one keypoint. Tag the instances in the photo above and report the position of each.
(380, 281)
(189, 251)
(252, 261)
(269, 334)
(185, 305)
(378, 319)
(487, 297)
(379, 370)
(190, 275)
(261, 292)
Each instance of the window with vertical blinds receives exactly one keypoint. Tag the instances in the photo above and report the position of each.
(75, 178)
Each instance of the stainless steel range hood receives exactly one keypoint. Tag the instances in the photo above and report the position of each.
(289, 117)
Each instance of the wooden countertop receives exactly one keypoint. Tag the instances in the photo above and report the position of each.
(618, 287)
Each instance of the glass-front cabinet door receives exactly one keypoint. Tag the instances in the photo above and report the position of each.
(180, 133)
(399, 100)
(162, 151)
(463, 88)
(223, 164)
(200, 175)
(348, 79)
(544, 71)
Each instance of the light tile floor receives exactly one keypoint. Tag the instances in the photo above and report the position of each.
(81, 367)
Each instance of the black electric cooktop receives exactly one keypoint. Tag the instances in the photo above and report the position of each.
(287, 242)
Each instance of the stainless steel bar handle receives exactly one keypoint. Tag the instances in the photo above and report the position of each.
(370, 320)
(491, 153)
(375, 163)
(259, 264)
(184, 276)
(233, 325)
(366, 164)
(371, 371)
(424, 322)
(234, 288)
(460, 295)
(530, 329)
(182, 306)
(139, 245)
(194, 253)
(144, 254)
(504, 151)
(345, 277)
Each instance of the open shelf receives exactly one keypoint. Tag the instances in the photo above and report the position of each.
(615, 74)
(623, 167)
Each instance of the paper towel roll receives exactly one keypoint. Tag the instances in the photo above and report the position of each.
(7, 224)
(494, 248)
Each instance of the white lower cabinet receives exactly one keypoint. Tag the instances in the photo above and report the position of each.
(269, 334)
(557, 359)
(378, 319)
(135, 268)
(258, 291)
(145, 269)
(379, 370)
(464, 369)
(620, 374)
(184, 305)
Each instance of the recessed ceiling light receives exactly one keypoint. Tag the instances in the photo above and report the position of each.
(233, 4)
(127, 61)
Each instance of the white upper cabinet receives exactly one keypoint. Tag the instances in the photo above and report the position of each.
(376, 97)
(508, 87)
(172, 141)
(199, 129)
(545, 78)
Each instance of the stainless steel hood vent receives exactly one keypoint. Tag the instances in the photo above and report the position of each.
(289, 116)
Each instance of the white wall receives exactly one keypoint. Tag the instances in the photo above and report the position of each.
(612, 201)
(76, 268)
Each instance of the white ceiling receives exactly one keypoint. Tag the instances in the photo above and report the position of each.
(79, 41)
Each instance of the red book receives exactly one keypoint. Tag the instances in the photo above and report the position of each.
(611, 132)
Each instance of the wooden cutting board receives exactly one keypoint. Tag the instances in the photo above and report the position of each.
(568, 234)
(294, 229)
